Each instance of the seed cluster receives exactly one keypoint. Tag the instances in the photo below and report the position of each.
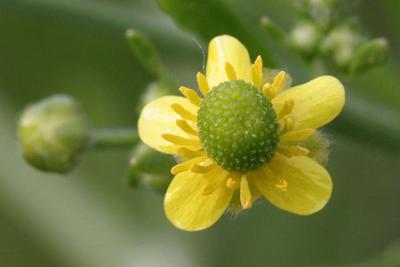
(237, 126)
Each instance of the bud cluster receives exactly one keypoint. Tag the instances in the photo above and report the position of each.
(323, 33)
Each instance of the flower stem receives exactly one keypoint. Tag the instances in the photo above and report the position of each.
(114, 138)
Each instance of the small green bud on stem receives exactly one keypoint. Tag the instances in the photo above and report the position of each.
(53, 133)
(149, 168)
(305, 38)
(370, 53)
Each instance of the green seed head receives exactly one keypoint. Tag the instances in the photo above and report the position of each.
(237, 126)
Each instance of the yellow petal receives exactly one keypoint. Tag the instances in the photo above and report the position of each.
(297, 184)
(188, 207)
(227, 49)
(315, 103)
(158, 118)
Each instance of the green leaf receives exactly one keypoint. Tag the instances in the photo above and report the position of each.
(209, 18)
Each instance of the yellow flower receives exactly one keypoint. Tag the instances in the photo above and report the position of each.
(241, 139)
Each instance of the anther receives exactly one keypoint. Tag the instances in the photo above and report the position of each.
(184, 113)
(296, 136)
(178, 140)
(184, 125)
(257, 72)
(202, 83)
(245, 193)
(282, 185)
(230, 71)
(184, 166)
(191, 95)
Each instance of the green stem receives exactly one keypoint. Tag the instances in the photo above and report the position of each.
(114, 138)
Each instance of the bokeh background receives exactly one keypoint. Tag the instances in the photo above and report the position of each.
(93, 218)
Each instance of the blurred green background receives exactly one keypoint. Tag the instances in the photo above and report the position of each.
(93, 218)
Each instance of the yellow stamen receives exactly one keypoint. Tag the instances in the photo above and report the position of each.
(286, 124)
(184, 166)
(245, 193)
(257, 72)
(202, 83)
(286, 109)
(296, 136)
(230, 71)
(282, 185)
(232, 182)
(267, 91)
(186, 153)
(184, 125)
(278, 82)
(191, 95)
(291, 151)
(203, 167)
(178, 140)
(213, 183)
(184, 113)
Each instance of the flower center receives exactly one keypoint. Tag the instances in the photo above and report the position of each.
(237, 126)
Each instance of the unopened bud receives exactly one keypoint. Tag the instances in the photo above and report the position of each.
(150, 168)
(53, 133)
(341, 45)
(305, 38)
(370, 54)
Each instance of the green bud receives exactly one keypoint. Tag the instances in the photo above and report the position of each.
(319, 147)
(53, 134)
(305, 38)
(145, 52)
(320, 11)
(149, 168)
(370, 54)
(341, 45)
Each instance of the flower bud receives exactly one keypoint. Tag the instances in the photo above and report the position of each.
(53, 133)
(341, 45)
(305, 38)
(369, 54)
(149, 168)
(321, 11)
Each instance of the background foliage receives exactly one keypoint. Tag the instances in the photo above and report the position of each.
(93, 218)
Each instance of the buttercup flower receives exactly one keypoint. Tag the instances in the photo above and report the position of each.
(240, 139)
